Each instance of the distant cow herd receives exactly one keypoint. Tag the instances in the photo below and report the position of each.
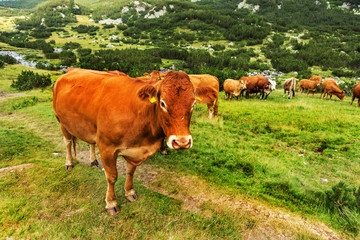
(132, 117)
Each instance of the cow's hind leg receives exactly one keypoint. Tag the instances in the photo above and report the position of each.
(93, 161)
(359, 103)
(129, 187)
(69, 140)
(108, 159)
(352, 100)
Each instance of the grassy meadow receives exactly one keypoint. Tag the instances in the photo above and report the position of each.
(274, 156)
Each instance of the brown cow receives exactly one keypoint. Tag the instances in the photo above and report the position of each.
(256, 84)
(251, 85)
(290, 86)
(356, 94)
(309, 85)
(264, 86)
(233, 87)
(316, 79)
(207, 80)
(330, 87)
(123, 117)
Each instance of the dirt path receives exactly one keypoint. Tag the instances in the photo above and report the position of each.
(268, 222)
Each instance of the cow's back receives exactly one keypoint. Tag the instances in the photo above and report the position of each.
(316, 79)
(205, 80)
(251, 79)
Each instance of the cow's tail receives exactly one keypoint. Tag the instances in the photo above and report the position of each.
(293, 84)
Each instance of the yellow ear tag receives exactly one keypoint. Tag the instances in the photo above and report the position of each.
(198, 98)
(152, 100)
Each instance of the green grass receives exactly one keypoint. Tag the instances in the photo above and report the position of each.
(277, 150)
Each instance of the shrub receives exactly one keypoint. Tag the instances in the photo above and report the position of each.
(342, 73)
(8, 59)
(108, 26)
(218, 47)
(67, 58)
(71, 45)
(85, 28)
(28, 80)
(84, 51)
(1, 64)
(121, 27)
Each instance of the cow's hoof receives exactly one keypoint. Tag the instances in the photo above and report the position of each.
(94, 163)
(131, 195)
(69, 167)
(163, 152)
(132, 198)
(113, 211)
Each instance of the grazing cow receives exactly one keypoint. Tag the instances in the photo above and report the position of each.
(209, 81)
(356, 94)
(257, 84)
(290, 86)
(124, 117)
(233, 87)
(330, 87)
(309, 85)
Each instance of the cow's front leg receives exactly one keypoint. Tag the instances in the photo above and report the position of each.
(93, 161)
(129, 187)
(108, 159)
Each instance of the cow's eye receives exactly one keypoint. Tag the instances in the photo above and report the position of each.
(163, 105)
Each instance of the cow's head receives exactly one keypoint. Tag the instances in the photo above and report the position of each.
(242, 85)
(175, 99)
(341, 95)
(155, 75)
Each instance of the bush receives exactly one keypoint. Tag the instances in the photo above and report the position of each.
(85, 28)
(67, 58)
(342, 73)
(28, 80)
(84, 51)
(121, 27)
(71, 45)
(218, 47)
(8, 59)
(1, 64)
(108, 26)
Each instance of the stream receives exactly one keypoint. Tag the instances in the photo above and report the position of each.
(19, 58)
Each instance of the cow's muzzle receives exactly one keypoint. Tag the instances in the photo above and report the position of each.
(179, 142)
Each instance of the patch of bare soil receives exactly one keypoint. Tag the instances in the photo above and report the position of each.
(6, 94)
(268, 222)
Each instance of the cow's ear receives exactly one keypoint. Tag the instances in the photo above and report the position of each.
(147, 93)
(206, 92)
